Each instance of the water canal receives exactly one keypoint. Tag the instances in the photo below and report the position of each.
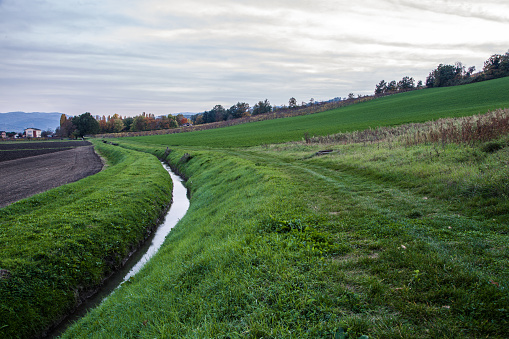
(136, 262)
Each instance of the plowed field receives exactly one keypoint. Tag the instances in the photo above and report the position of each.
(30, 168)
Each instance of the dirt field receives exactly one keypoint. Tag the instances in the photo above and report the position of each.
(29, 175)
(23, 149)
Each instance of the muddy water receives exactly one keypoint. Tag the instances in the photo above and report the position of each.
(177, 210)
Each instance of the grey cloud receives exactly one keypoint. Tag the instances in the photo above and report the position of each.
(167, 56)
(474, 9)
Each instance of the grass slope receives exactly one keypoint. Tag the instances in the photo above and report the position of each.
(280, 243)
(416, 106)
(56, 245)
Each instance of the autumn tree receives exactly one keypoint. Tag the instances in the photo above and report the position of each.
(139, 123)
(103, 125)
(63, 119)
(172, 120)
(117, 125)
(151, 122)
(197, 119)
(66, 127)
(181, 119)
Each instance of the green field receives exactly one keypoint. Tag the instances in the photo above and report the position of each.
(416, 106)
(402, 238)
(282, 244)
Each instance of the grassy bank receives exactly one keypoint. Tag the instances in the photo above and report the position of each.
(279, 242)
(57, 246)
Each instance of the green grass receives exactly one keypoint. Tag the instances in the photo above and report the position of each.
(385, 240)
(59, 244)
(416, 106)
(278, 244)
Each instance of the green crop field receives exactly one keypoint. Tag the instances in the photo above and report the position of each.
(417, 106)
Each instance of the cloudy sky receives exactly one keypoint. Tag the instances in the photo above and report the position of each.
(170, 56)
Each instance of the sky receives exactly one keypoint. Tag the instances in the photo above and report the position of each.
(167, 56)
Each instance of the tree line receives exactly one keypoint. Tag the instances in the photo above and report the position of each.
(497, 66)
(242, 110)
(239, 110)
(86, 123)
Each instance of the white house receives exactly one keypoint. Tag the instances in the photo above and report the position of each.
(3, 135)
(33, 133)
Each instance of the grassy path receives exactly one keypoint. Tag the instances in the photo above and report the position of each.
(346, 189)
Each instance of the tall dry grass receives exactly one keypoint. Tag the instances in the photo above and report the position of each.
(464, 130)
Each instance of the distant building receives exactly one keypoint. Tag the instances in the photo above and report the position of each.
(33, 133)
(3, 135)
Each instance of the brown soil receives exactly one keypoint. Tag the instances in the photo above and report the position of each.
(22, 178)
(23, 149)
(23, 145)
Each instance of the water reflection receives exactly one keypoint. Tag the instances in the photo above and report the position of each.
(177, 210)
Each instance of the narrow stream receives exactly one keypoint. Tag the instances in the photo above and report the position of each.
(177, 210)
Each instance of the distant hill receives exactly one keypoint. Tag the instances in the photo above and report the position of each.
(18, 121)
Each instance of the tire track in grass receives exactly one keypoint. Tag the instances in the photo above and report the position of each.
(362, 190)
(379, 201)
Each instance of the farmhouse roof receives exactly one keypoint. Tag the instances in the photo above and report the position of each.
(33, 128)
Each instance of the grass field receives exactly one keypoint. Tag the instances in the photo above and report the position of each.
(279, 243)
(416, 106)
(405, 237)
